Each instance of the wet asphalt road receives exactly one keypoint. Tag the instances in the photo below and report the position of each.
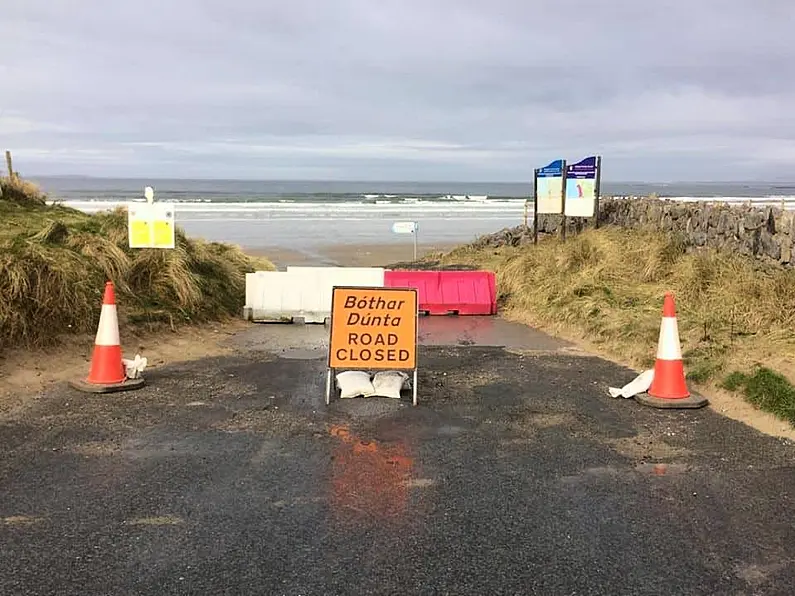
(516, 474)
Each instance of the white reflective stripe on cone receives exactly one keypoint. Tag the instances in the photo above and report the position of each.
(668, 347)
(108, 331)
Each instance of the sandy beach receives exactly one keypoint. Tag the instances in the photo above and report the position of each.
(347, 255)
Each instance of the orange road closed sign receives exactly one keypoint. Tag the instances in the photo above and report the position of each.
(373, 328)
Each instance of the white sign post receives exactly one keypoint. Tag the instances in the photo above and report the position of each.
(407, 227)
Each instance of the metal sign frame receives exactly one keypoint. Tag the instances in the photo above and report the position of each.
(330, 371)
(397, 229)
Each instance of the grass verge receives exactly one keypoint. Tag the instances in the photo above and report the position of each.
(54, 262)
(767, 390)
(606, 287)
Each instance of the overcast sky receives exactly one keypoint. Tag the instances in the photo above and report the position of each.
(399, 89)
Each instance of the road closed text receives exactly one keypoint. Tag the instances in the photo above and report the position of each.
(373, 328)
(372, 347)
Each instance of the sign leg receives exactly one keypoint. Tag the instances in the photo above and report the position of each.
(328, 386)
(414, 388)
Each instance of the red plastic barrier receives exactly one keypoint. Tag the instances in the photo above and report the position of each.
(446, 292)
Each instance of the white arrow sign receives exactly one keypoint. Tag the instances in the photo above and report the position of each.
(404, 227)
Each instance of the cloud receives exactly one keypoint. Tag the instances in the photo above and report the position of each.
(11, 124)
(398, 89)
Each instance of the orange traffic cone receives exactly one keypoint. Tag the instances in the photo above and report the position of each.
(669, 369)
(668, 387)
(107, 372)
(106, 365)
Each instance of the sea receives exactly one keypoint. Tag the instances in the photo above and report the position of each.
(306, 214)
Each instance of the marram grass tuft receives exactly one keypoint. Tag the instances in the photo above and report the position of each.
(54, 262)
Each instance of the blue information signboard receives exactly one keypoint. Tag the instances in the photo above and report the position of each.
(581, 187)
(549, 187)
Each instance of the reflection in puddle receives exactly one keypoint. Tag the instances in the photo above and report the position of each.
(452, 331)
(368, 479)
(486, 331)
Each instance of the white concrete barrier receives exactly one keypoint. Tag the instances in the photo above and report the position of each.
(270, 296)
(252, 293)
(302, 292)
(323, 280)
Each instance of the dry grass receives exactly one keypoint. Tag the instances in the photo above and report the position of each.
(606, 286)
(54, 262)
(19, 191)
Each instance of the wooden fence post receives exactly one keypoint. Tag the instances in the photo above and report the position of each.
(10, 165)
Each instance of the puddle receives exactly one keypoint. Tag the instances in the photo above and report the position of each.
(487, 331)
(483, 331)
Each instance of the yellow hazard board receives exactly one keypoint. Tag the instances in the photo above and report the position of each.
(151, 225)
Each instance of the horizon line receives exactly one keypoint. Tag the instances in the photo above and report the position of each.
(384, 181)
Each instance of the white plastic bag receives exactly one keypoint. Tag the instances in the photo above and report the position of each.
(353, 383)
(640, 384)
(134, 368)
(389, 383)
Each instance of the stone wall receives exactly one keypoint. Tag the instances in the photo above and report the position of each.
(764, 232)
(759, 231)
